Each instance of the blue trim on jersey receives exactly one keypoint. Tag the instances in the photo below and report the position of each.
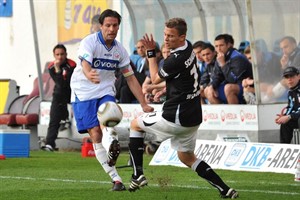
(105, 64)
(82, 58)
(100, 37)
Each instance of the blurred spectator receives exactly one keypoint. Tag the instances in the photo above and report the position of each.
(235, 67)
(243, 45)
(123, 92)
(135, 57)
(60, 70)
(291, 52)
(248, 83)
(139, 66)
(142, 66)
(207, 81)
(155, 93)
(197, 47)
(291, 57)
(288, 120)
(95, 27)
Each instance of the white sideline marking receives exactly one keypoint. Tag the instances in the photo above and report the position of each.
(155, 185)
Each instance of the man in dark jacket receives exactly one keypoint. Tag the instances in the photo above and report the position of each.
(289, 119)
(235, 67)
(60, 70)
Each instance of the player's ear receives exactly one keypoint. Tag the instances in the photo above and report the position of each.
(182, 37)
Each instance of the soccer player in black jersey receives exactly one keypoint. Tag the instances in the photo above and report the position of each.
(181, 115)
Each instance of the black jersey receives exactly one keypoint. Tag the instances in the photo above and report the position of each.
(181, 72)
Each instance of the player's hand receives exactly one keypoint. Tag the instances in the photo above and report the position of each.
(149, 42)
(93, 76)
(158, 95)
(147, 108)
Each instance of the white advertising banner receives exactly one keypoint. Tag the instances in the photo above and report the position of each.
(216, 117)
(261, 157)
(229, 117)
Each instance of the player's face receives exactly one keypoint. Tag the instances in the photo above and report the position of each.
(208, 55)
(221, 46)
(60, 55)
(109, 29)
(172, 39)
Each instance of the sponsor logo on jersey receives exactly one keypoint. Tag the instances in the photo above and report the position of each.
(105, 64)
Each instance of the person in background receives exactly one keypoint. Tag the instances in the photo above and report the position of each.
(95, 25)
(60, 70)
(248, 83)
(182, 76)
(235, 67)
(93, 83)
(197, 48)
(288, 120)
(278, 90)
(154, 93)
(208, 77)
(291, 52)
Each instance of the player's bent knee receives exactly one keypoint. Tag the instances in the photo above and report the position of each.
(134, 125)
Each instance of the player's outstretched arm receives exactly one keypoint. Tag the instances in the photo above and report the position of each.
(136, 89)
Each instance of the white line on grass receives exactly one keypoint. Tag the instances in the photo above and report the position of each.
(155, 185)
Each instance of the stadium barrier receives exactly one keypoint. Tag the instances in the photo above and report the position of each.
(238, 156)
(256, 123)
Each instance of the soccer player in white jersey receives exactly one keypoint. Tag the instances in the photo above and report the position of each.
(181, 114)
(92, 84)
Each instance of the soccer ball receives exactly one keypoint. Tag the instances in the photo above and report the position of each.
(109, 114)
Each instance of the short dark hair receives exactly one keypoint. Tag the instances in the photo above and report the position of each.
(59, 46)
(208, 46)
(109, 13)
(289, 38)
(199, 43)
(179, 24)
(226, 37)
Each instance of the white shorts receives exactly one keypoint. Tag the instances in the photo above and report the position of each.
(183, 139)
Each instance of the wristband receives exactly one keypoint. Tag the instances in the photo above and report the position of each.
(151, 53)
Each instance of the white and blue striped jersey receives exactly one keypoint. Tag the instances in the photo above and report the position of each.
(105, 60)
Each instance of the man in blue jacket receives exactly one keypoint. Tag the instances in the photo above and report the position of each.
(235, 67)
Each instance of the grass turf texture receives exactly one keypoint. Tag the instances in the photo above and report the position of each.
(66, 175)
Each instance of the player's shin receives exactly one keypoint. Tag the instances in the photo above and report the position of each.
(136, 149)
(108, 135)
(101, 156)
(206, 172)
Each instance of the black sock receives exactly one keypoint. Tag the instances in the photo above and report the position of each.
(206, 172)
(136, 150)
